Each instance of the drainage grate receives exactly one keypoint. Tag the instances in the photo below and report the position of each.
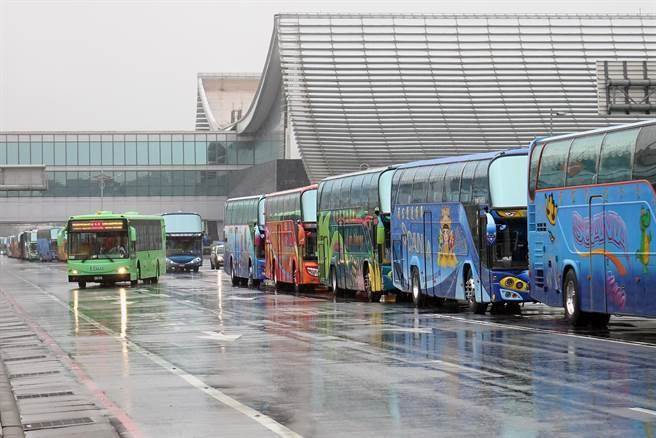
(11, 359)
(44, 395)
(39, 373)
(38, 425)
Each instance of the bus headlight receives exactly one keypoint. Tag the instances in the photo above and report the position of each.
(312, 271)
(196, 260)
(514, 283)
(122, 270)
(74, 272)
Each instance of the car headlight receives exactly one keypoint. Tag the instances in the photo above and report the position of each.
(196, 260)
(122, 270)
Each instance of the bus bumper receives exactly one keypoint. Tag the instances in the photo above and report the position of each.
(105, 278)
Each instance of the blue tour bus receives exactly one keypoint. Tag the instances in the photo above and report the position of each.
(586, 192)
(184, 241)
(459, 230)
(243, 258)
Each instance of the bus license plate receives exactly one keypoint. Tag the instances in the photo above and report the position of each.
(97, 278)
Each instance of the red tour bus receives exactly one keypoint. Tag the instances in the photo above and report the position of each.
(291, 238)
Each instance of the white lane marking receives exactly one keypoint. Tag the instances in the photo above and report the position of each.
(234, 298)
(194, 381)
(214, 336)
(644, 411)
(538, 330)
(409, 330)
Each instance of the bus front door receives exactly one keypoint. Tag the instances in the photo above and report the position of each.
(596, 299)
(429, 282)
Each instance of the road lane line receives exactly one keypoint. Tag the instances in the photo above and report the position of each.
(194, 381)
(644, 411)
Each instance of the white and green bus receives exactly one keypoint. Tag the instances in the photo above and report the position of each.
(108, 248)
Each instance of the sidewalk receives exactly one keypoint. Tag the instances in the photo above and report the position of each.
(38, 394)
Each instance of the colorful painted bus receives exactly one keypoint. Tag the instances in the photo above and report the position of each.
(14, 247)
(62, 245)
(459, 230)
(291, 238)
(46, 245)
(107, 248)
(591, 221)
(184, 241)
(353, 232)
(244, 240)
(29, 245)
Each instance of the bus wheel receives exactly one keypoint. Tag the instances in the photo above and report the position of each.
(572, 302)
(371, 296)
(155, 279)
(415, 289)
(82, 284)
(196, 269)
(513, 308)
(470, 294)
(333, 280)
(233, 278)
(297, 287)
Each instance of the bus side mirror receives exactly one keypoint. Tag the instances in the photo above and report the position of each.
(133, 234)
(490, 229)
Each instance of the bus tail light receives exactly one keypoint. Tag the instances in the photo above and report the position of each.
(311, 270)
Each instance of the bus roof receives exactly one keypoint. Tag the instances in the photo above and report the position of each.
(180, 213)
(362, 172)
(110, 215)
(596, 131)
(297, 189)
(462, 158)
(244, 198)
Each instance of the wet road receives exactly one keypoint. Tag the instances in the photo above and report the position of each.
(195, 357)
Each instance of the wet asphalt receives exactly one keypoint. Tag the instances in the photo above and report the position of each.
(195, 357)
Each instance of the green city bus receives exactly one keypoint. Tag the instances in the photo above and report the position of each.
(107, 248)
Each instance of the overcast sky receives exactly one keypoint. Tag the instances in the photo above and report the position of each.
(131, 65)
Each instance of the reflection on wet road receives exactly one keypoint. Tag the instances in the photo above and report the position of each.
(193, 356)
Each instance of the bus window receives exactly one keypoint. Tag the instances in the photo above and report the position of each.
(582, 162)
(616, 156)
(533, 171)
(419, 186)
(396, 183)
(644, 164)
(436, 187)
(260, 211)
(452, 182)
(405, 189)
(357, 192)
(467, 182)
(309, 204)
(480, 186)
(552, 164)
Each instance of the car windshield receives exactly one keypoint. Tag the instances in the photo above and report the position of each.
(176, 246)
(99, 245)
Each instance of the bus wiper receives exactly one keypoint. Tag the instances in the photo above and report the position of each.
(109, 258)
(85, 259)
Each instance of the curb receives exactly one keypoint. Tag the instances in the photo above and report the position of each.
(10, 421)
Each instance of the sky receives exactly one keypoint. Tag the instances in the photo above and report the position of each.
(131, 65)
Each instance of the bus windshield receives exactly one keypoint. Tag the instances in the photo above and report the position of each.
(187, 245)
(309, 205)
(98, 245)
(385, 191)
(511, 247)
(508, 181)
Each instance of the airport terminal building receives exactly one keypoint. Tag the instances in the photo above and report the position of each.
(344, 92)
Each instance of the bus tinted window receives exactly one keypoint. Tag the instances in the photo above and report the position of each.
(452, 181)
(644, 164)
(480, 186)
(396, 179)
(552, 164)
(357, 191)
(617, 156)
(419, 185)
(309, 204)
(467, 181)
(582, 162)
(436, 188)
(405, 189)
(533, 171)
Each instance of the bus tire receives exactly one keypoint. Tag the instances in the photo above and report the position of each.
(233, 278)
(82, 284)
(297, 287)
(572, 301)
(333, 280)
(418, 298)
(366, 281)
(155, 279)
(470, 293)
(196, 268)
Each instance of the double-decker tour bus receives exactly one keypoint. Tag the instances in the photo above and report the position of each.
(244, 240)
(184, 241)
(591, 221)
(291, 237)
(107, 248)
(353, 231)
(459, 230)
(28, 242)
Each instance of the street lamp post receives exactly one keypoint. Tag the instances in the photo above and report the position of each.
(102, 180)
